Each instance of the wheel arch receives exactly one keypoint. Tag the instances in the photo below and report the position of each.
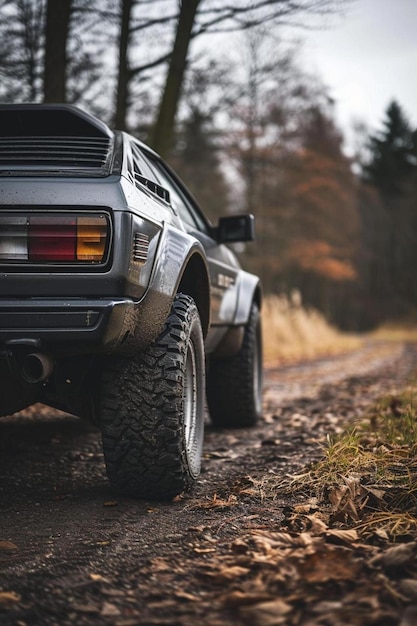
(194, 282)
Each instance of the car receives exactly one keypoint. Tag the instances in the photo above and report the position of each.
(120, 302)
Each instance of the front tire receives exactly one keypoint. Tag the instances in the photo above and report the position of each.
(234, 384)
(152, 410)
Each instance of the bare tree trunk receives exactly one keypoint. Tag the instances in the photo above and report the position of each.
(161, 135)
(124, 74)
(56, 36)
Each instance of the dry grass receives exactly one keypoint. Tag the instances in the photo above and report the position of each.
(294, 333)
(405, 331)
(368, 475)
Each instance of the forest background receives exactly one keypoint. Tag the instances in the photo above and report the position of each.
(218, 89)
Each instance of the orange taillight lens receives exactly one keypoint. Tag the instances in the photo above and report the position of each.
(91, 238)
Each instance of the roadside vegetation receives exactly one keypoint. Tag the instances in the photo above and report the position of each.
(367, 478)
(293, 332)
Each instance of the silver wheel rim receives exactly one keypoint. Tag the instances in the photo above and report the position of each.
(190, 403)
(257, 375)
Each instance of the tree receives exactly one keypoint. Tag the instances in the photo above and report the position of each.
(161, 136)
(22, 43)
(392, 170)
(123, 74)
(393, 154)
(44, 55)
(197, 153)
(58, 13)
(197, 17)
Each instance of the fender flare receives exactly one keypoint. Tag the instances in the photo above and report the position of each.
(249, 291)
(177, 252)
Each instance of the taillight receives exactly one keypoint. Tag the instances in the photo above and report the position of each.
(73, 238)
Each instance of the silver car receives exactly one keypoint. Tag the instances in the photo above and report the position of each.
(116, 295)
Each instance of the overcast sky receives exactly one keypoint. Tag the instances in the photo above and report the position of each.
(368, 58)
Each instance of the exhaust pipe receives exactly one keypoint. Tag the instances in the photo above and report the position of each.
(36, 367)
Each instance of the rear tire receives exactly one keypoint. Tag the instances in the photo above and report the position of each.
(234, 384)
(152, 410)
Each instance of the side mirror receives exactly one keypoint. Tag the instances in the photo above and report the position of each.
(236, 228)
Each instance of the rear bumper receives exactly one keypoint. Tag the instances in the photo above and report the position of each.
(71, 325)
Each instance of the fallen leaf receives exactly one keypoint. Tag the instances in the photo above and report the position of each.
(240, 598)
(338, 535)
(7, 546)
(188, 597)
(308, 507)
(239, 546)
(204, 550)
(97, 578)
(327, 606)
(398, 556)
(228, 573)
(409, 617)
(328, 564)
(85, 608)
(273, 613)
(9, 598)
(109, 610)
(317, 526)
(408, 587)
(110, 503)
(160, 565)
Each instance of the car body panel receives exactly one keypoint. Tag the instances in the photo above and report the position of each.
(158, 243)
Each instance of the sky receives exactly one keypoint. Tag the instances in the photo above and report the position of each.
(367, 58)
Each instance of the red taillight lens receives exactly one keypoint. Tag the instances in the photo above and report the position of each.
(75, 238)
(52, 239)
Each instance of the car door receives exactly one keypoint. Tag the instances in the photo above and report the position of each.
(223, 266)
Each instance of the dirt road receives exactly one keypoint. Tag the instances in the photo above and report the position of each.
(73, 552)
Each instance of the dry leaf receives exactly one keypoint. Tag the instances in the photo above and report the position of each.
(85, 608)
(160, 565)
(408, 587)
(317, 525)
(272, 613)
(229, 573)
(327, 606)
(109, 610)
(8, 599)
(239, 546)
(188, 597)
(398, 556)
(240, 598)
(342, 536)
(204, 550)
(98, 578)
(409, 617)
(328, 564)
(342, 500)
(7, 546)
(268, 540)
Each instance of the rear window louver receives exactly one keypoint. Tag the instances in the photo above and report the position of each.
(39, 154)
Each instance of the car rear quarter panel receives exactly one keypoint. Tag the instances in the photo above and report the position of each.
(113, 194)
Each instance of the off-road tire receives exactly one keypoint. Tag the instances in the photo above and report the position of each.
(152, 410)
(234, 384)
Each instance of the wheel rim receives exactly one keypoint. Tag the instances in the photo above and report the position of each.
(191, 407)
(257, 372)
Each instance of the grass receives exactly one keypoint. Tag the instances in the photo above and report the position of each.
(396, 331)
(368, 475)
(293, 332)
(367, 478)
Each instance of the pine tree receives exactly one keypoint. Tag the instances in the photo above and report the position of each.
(392, 171)
(393, 155)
